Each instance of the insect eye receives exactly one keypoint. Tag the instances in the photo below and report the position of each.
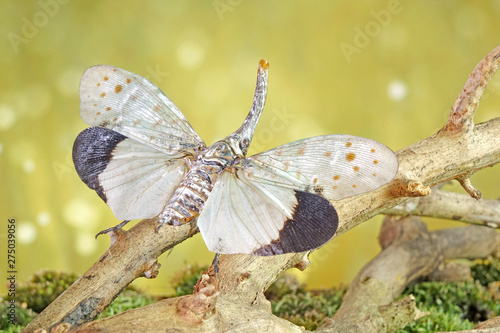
(244, 144)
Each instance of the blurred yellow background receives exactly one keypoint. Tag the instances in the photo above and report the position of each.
(387, 70)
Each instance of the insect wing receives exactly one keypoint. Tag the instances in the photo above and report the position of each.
(129, 104)
(278, 201)
(242, 216)
(335, 166)
(135, 180)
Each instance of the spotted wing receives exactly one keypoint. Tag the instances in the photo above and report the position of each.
(129, 104)
(242, 216)
(335, 166)
(278, 201)
(136, 181)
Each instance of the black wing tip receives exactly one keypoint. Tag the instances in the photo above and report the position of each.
(313, 223)
(92, 152)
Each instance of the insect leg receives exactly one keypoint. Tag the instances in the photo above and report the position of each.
(215, 264)
(113, 229)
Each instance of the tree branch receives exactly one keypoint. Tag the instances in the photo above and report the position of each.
(411, 254)
(455, 152)
(452, 206)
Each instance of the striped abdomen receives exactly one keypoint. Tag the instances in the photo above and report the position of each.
(189, 197)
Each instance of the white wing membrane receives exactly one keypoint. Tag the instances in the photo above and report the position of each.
(129, 104)
(135, 180)
(139, 180)
(276, 202)
(240, 217)
(335, 166)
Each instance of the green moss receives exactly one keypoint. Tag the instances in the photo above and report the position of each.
(468, 299)
(456, 306)
(43, 288)
(127, 300)
(284, 285)
(438, 320)
(22, 317)
(184, 281)
(486, 271)
(452, 306)
(290, 301)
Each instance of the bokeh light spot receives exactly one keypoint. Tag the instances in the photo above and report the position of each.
(43, 218)
(7, 117)
(80, 214)
(397, 90)
(26, 233)
(29, 166)
(190, 55)
(85, 243)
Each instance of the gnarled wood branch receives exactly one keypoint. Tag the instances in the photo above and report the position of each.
(459, 149)
(452, 206)
(409, 254)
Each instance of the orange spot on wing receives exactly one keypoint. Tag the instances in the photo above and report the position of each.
(335, 187)
(356, 169)
(336, 177)
(102, 95)
(375, 162)
(354, 185)
(301, 151)
(348, 144)
(98, 113)
(115, 119)
(327, 154)
(350, 157)
(315, 180)
(106, 78)
(373, 150)
(156, 124)
(98, 84)
(108, 108)
(118, 88)
(129, 80)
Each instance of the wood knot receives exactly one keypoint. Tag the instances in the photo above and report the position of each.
(243, 277)
(152, 271)
(411, 189)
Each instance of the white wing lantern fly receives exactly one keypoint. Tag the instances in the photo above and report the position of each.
(144, 159)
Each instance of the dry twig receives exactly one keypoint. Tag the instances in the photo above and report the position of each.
(452, 206)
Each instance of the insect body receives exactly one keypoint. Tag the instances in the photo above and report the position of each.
(190, 196)
(144, 159)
